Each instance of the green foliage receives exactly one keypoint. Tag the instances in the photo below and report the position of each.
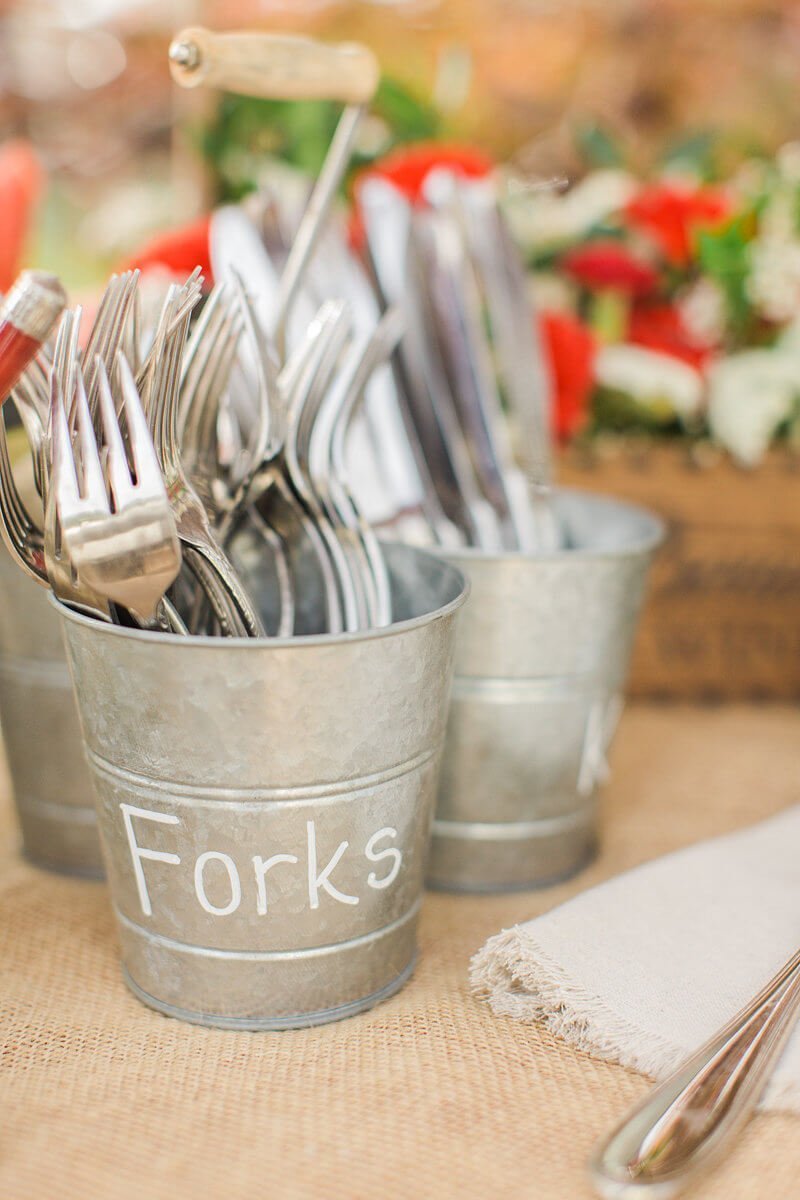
(597, 147)
(695, 153)
(409, 119)
(615, 410)
(723, 256)
(246, 130)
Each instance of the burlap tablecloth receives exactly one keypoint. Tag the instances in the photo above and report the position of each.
(429, 1095)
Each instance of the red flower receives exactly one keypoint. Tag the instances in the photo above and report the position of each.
(178, 251)
(407, 166)
(608, 266)
(661, 327)
(672, 214)
(571, 349)
(21, 183)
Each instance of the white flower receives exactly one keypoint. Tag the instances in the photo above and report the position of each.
(551, 292)
(773, 285)
(650, 378)
(702, 309)
(752, 177)
(788, 161)
(750, 395)
(546, 219)
(789, 340)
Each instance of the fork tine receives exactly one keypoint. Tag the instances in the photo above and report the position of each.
(113, 333)
(24, 542)
(116, 461)
(145, 461)
(106, 301)
(222, 353)
(67, 332)
(64, 477)
(93, 480)
(198, 351)
(271, 414)
(14, 507)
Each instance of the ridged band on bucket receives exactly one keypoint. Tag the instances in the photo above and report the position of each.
(541, 659)
(266, 805)
(41, 732)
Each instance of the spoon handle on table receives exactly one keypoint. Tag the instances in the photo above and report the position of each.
(691, 1118)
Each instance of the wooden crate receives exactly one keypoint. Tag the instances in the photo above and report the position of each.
(722, 618)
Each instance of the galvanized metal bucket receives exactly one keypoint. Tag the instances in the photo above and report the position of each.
(41, 732)
(265, 806)
(541, 660)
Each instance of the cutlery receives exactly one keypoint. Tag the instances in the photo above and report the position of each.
(286, 67)
(692, 1119)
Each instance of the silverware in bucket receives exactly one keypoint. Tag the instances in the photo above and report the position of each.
(541, 660)
(41, 732)
(51, 785)
(557, 577)
(265, 804)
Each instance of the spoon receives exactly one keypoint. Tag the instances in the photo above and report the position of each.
(691, 1119)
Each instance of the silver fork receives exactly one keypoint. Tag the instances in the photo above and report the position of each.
(30, 397)
(232, 607)
(22, 536)
(118, 528)
(108, 332)
(206, 369)
(61, 574)
(327, 466)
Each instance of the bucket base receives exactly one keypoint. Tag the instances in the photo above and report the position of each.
(274, 1024)
(480, 858)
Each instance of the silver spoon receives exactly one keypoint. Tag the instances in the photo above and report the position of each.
(687, 1122)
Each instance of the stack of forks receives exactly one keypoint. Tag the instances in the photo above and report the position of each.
(185, 481)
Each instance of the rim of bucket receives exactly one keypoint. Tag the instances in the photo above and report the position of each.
(297, 642)
(647, 541)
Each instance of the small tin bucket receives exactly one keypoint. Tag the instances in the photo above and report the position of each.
(541, 659)
(265, 806)
(41, 732)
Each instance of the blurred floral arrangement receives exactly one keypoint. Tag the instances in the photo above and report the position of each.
(669, 307)
(245, 133)
(672, 306)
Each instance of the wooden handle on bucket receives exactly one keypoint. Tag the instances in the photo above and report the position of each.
(274, 66)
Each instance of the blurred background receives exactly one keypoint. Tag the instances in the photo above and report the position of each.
(553, 86)
(648, 159)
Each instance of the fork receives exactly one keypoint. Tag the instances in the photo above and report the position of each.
(232, 607)
(107, 335)
(121, 535)
(21, 534)
(205, 372)
(61, 574)
(326, 460)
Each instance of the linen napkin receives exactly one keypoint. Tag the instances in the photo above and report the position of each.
(641, 970)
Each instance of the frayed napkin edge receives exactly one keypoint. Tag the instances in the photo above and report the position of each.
(518, 979)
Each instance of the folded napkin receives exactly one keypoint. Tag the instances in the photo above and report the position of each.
(643, 969)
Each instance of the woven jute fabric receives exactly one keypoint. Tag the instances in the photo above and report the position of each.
(429, 1095)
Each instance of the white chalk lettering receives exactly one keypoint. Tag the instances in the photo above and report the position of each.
(261, 867)
(139, 852)
(233, 876)
(320, 879)
(377, 856)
